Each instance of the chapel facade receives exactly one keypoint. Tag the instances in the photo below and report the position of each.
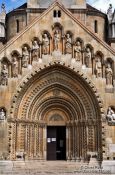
(57, 82)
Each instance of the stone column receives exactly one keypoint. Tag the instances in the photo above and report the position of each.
(63, 47)
(45, 142)
(35, 133)
(67, 142)
(30, 57)
(13, 146)
(10, 71)
(83, 57)
(20, 65)
(113, 30)
(50, 46)
(40, 54)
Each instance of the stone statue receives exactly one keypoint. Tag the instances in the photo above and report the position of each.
(25, 57)
(46, 44)
(77, 51)
(109, 12)
(98, 67)
(109, 75)
(3, 8)
(4, 75)
(88, 57)
(35, 50)
(56, 40)
(15, 67)
(68, 44)
(110, 115)
(2, 114)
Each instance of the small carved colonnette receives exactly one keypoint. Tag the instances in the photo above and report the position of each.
(57, 42)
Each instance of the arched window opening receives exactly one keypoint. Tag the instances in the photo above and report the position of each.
(96, 26)
(55, 14)
(17, 24)
(59, 13)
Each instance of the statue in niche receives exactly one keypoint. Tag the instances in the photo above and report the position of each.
(68, 44)
(2, 114)
(88, 57)
(46, 44)
(77, 51)
(35, 50)
(98, 67)
(56, 39)
(4, 75)
(15, 67)
(25, 57)
(109, 75)
(110, 115)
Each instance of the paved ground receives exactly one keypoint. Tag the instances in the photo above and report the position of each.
(48, 168)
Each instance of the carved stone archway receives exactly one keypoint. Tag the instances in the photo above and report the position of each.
(56, 91)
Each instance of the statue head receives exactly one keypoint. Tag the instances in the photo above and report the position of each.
(68, 35)
(78, 43)
(4, 67)
(108, 65)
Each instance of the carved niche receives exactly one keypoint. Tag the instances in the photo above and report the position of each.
(4, 75)
(109, 74)
(25, 56)
(78, 50)
(2, 114)
(15, 65)
(88, 56)
(46, 43)
(35, 49)
(68, 43)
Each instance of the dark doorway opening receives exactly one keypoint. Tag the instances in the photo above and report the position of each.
(56, 143)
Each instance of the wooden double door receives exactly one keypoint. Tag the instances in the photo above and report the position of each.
(56, 143)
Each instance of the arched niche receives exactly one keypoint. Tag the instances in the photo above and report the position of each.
(78, 50)
(88, 55)
(46, 42)
(36, 49)
(98, 64)
(6, 61)
(16, 63)
(26, 59)
(57, 36)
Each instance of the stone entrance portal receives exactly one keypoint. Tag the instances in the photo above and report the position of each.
(53, 101)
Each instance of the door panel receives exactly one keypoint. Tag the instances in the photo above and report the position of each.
(61, 143)
(56, 143)
(51, 143)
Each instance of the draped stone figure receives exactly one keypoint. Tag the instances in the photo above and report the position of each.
(98, 67)
(35, 50)
(77, 51)
(4, 75)
(109, 75)
(68, 44)
(25, 57)
(46, 44)
(15, 67)
(56, 40)
(2, 114)
(88, 57)
(110, 115)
